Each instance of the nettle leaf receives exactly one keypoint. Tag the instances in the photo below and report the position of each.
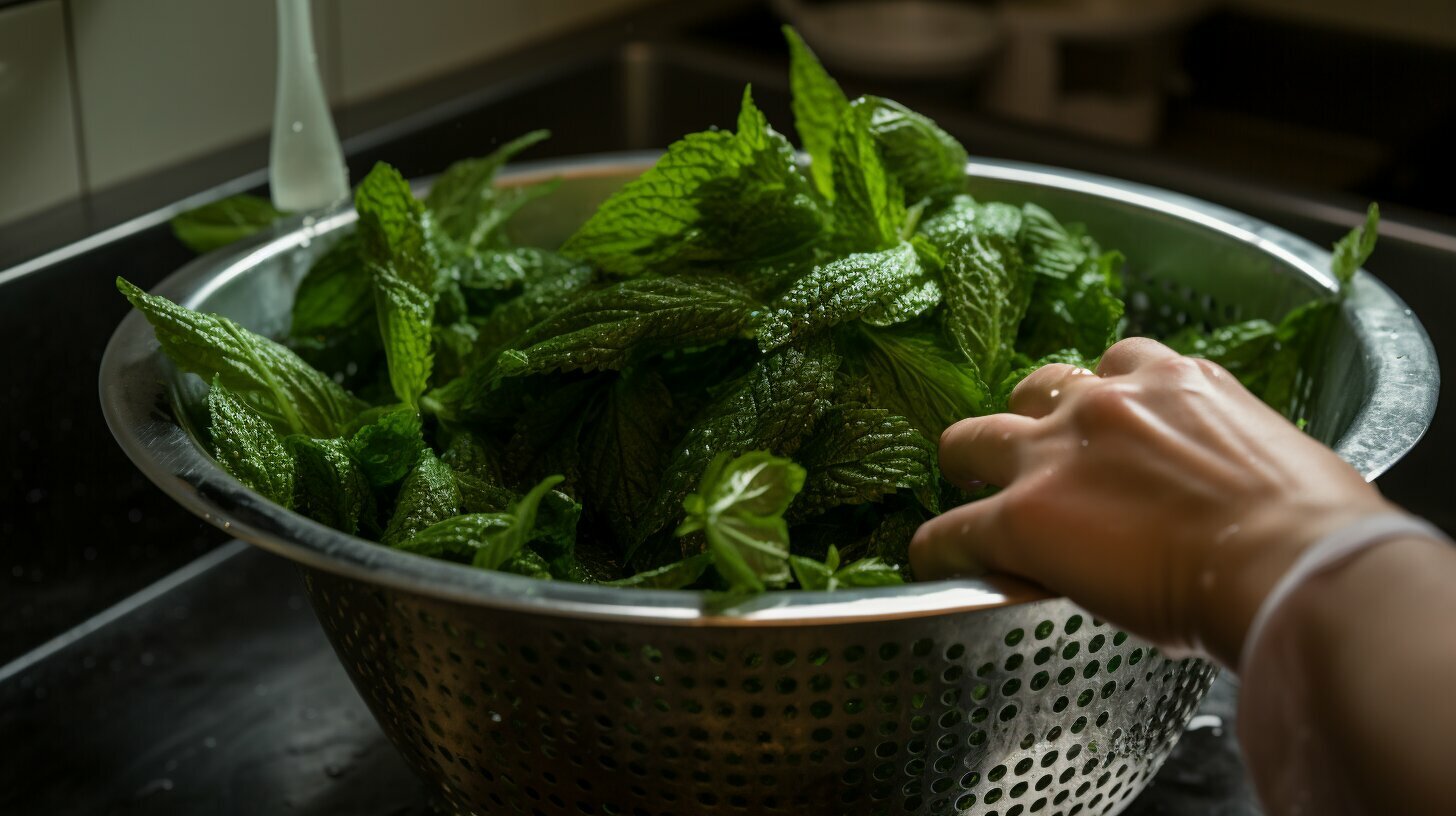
(289, 393)
(1082, 312)
(406, 314)
(881, 288)
(625, 450)
(1351, 252)
(828, 575)
(330, 487)
(394, 230)
(467, 205)
(677, 575)
(213, 226)
(428, 495)
(739, 507)
(925, 161)
(713, 197)
(601, 329)
(860, 454)
(912, 374)
(869, 207)
(986, 295)
(248, 447)
(335, 294)
(388, 443)
(819, 105)
(773, 407)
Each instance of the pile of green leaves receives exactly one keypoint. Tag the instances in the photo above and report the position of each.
(733, 376)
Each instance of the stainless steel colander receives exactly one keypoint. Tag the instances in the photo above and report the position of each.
(977, 696)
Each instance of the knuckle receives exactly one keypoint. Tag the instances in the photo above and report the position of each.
(1175, 368)
(1110, 405)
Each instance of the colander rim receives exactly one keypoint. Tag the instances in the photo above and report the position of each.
(136, 400)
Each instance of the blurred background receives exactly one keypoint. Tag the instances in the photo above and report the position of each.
(117, 114)
(112, 109)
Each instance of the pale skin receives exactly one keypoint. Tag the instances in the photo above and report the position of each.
(1160, 494)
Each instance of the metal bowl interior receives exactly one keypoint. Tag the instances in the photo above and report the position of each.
(1188, 261)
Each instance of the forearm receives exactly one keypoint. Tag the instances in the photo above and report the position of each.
(1346, 702)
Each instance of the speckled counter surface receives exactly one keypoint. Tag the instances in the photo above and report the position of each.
(220, 695)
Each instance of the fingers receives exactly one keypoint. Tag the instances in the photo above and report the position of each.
(983, 449)
(1043, 389)
(1127, 356)
(957, 542)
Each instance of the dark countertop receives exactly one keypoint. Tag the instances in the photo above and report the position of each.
(221, 695)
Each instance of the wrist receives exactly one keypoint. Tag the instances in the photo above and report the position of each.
(1241, 571)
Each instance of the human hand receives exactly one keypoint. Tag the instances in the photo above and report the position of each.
(1158, 493)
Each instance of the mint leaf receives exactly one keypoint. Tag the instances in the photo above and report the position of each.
(275, 382)
(1011, 380)
(487, 540)
(869, 207)
(1082, 312)
(925, 161)
(406, 314)
(963, 215)
(528, 563)
(881, 288)
(428, 495)
(1077, 297)
(714, 197)
(394, 229)
(467, 205)
(500, 546)
(819, 105)
(773, 407)
(625, 449)
(867, 572)
(739, 507)
(477, 476)
(602, 329)
(1351, 252)
(1050, 248)
(677, 575)
(213, 226)
(330, 487)
(549, 281)
(861, 454)
(458, 538)
(335, 294)
(554, 534)
(248, 448)
(388, 443)
(911, 374)
(828, 576)
(986, 296)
